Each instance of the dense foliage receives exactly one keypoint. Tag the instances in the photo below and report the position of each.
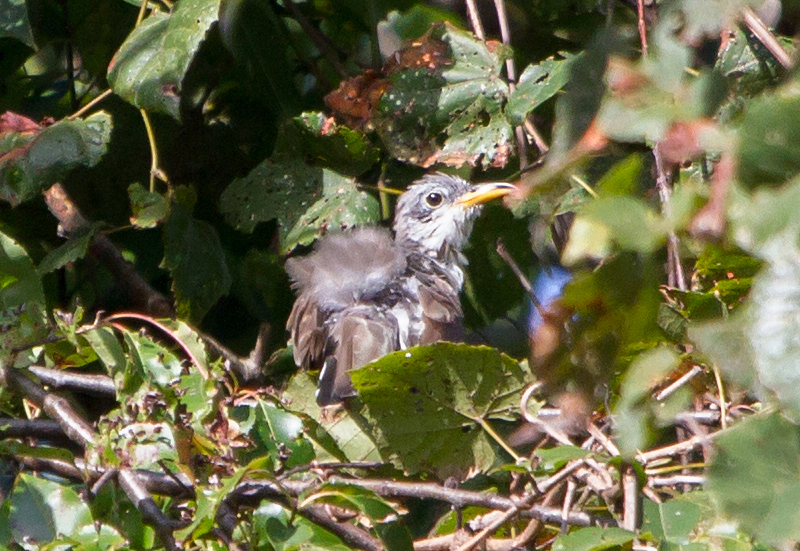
(160, 160)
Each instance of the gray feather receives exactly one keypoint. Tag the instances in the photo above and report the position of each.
(347, 267)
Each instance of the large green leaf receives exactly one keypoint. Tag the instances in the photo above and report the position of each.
(461, 97)
(755, 477)
(14, 21)
(424, 406)
(149, 68)
(44, 510)
(306, 201)
(33, 158)
(195, 260)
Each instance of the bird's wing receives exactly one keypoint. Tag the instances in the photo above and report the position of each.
(307, 326)
(357, 336)
(441, 311)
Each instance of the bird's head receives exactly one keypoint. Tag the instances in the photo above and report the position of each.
(437, 212)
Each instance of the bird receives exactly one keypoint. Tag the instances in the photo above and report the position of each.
(364, 293)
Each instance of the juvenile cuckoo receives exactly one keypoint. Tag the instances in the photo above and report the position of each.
(363, 294)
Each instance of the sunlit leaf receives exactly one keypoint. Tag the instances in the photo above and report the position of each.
(149, 209)
(425, 405)
(32, 161)
(149, 68)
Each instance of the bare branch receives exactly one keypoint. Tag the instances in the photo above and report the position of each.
(140, 294)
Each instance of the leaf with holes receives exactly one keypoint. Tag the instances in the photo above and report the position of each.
(426, 407)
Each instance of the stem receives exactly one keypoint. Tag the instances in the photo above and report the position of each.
(497, 438)
(151, 137)
(82, 111)
(723, 409)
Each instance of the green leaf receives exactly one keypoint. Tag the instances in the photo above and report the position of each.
(335, 438)
(744, 61)
(271, 191)
(578, 107)
(282, 530)
(341, 206)
(725, 343)
(149, 209)
(156, 362)
(32, 161)
(75, 248)
(319, 140)
(22, 302)
(282, 434)
(110, 352)
(755, 477)
(424, 406)
(243, 25)
(383, 516)
(640, 229)
(42, 509)
(646, 372)
(769, 144)
(774, 320)
(14, 21)
(150, 66)
(555, 458)
(462, 97)
(593, 538)
(672, 521)
(538, 83)
(306, 201)
(195, 260)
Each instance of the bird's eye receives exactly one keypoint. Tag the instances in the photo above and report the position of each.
(434, 199)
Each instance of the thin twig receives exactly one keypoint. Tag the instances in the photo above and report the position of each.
(318, 38)
(502, 251)
(723, 417)
(765, 36)
(80, 112)
(675, 449)
(142, 11)
(632, 499)
(642, 26)
(497, 438)
(155, 171)
(199, 363)
(505, 35)
(692, 479)
(475, 19)
(682, 380)
(56, 407)
(675, 274)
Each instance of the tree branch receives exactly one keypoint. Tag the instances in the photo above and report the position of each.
(140, 294)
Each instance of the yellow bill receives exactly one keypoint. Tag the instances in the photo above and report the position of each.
(480, 193)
